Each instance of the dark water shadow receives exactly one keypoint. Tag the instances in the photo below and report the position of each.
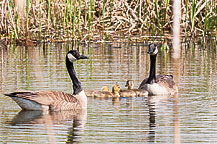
(51, 119)
(152, 124)
(153, 103)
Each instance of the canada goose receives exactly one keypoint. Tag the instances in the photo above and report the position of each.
(160, 84)
(105, 93)
(138, 92)
(55, 100)
(90, 93)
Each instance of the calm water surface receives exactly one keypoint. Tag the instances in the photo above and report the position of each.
(189, 117)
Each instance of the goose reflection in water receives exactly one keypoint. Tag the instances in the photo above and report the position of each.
(50, 120)
(152, 124)
(155, 102)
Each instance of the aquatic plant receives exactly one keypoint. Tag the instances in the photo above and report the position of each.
(60, 20)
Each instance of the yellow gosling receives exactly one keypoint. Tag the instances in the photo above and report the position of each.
(138, 92)
(105, 92)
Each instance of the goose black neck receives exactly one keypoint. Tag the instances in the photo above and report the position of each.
(152, 74)
(76, 83)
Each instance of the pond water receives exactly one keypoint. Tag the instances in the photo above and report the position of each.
(189, 117)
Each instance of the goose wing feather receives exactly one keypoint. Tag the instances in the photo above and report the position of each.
(165, 80)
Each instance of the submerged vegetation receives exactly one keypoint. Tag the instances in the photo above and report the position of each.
(61, 20)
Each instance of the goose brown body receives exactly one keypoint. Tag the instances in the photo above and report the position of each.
(168, 86)
(46, 100)
(55, 100)
(166, 80)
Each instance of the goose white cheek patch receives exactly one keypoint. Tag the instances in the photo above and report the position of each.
(155, 51)
(71, 57)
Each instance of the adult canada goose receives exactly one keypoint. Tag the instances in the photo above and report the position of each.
(106, 93)
(160, 84)
(55, 100)
(138, 92)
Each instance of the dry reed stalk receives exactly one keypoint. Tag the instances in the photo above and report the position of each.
(75, 19)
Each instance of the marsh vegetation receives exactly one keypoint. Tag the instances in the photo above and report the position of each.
(103, 20)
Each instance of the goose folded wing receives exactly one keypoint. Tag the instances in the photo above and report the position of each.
(45, 97)
(166, 80)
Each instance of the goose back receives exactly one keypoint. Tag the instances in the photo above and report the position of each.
(164, 85)
(47, 100)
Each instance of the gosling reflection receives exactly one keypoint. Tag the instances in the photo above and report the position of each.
(116, 101)
(51, 119)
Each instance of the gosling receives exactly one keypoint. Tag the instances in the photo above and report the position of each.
(104, 92)
(131, 92)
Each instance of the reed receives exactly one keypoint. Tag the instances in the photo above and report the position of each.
(193, 10)
(65, 15)
(79, 18)
(166, 9)
(73, 23)
(27, 16)
(103, 16)
(111, 5)
(85, 14)
(48, 12)
(67, 12)
(92, 20)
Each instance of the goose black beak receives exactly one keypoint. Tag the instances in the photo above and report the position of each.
(83, 57)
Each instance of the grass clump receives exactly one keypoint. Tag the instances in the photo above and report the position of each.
(61, 20)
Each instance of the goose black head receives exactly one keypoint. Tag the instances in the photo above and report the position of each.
(129, 84)
(74, 55)
(152, 49)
